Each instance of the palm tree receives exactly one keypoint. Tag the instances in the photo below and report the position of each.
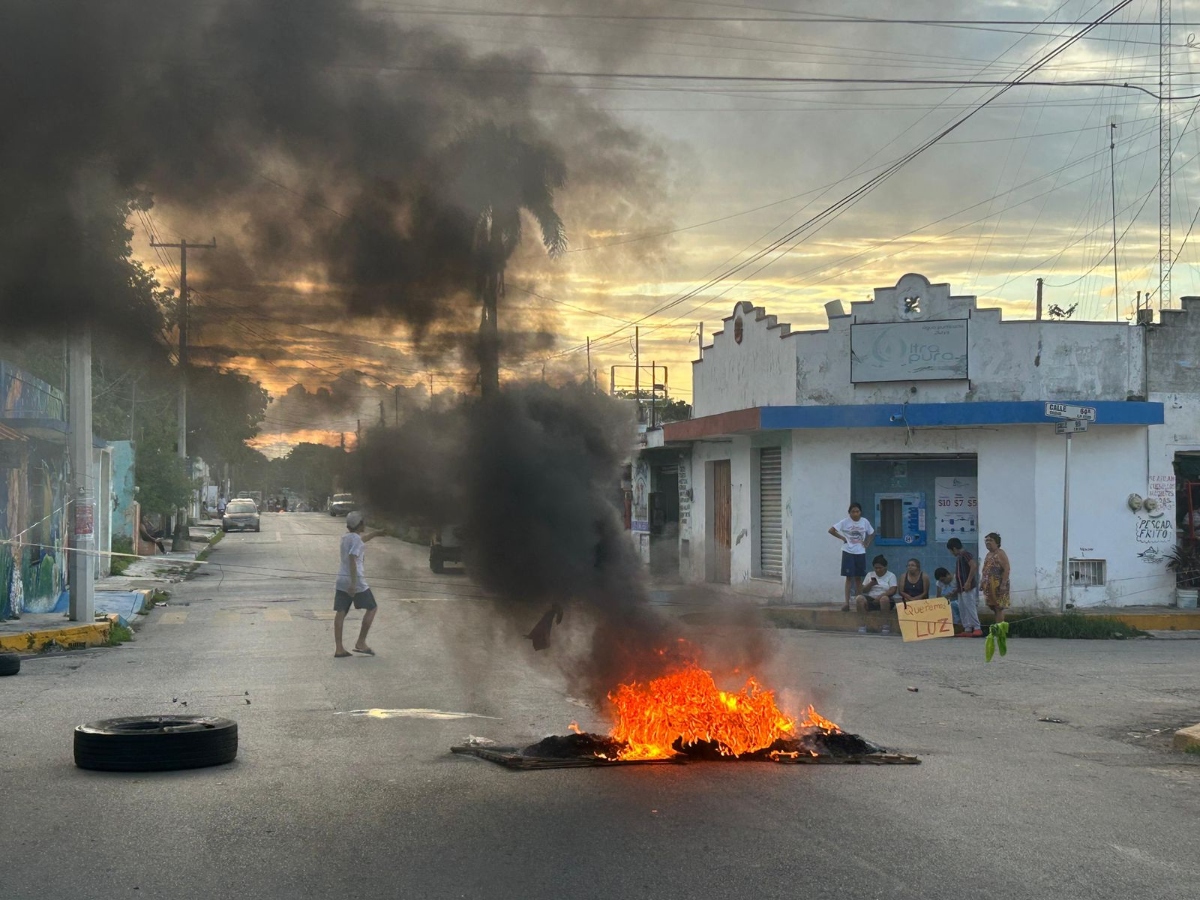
(499, 175)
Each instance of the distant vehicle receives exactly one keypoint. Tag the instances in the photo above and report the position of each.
(342, 504)
(446, 546)
(256, 496)
(241, 515)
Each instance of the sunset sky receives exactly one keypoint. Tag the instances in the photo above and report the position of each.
(734, 155)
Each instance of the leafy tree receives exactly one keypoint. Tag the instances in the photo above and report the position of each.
(499, 175)
(315, 471)
(664, 409)
(224, 409)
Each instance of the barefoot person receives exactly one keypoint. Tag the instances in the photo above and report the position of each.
(856, 533)
(993, 579)
(352, 587)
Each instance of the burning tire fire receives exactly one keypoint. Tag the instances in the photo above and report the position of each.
(683, 716)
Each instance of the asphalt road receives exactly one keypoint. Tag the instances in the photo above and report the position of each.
(323, 803)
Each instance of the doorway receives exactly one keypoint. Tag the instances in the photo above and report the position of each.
(722, 520)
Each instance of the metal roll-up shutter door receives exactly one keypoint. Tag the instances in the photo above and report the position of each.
(770, 512)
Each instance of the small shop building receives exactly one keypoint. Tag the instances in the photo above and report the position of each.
(932, 414)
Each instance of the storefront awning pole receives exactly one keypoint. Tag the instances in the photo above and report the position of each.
(1066, 583)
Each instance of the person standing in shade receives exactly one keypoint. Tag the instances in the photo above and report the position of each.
(993, 577)
(352, 587)
(966, 589)
(856, 533)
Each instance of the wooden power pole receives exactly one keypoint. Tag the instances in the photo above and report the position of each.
(179, 539)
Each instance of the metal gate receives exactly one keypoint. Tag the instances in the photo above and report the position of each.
(770, 512)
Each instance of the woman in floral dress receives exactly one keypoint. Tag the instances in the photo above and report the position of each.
(993, 580)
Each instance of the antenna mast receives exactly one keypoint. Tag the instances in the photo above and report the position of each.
(1164, 153)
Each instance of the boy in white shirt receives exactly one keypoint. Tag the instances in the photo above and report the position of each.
(352, 588)
(856, 533)
(878, 589)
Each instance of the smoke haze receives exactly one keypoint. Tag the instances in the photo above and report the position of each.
(323, 142)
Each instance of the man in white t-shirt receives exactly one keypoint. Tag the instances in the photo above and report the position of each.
(878, 589)
(856, 532)
(352, 587)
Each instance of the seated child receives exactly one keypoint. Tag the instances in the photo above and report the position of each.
(943, 583)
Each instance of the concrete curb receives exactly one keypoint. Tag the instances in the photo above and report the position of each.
(1187, 739)
(72, 637)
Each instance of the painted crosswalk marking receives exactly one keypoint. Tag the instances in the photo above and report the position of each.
(277, 615)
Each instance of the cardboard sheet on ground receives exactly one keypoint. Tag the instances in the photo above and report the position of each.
(921, 620)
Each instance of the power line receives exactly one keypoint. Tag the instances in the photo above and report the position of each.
(824, 216)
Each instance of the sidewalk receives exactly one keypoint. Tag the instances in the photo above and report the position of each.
(698, 599)
(119, 598)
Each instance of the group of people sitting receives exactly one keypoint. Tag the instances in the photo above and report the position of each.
(880, 590)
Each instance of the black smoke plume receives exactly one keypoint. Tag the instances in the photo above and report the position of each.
(320, 140)
(533, 480)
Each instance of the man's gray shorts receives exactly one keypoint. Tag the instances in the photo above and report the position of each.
(342, 601)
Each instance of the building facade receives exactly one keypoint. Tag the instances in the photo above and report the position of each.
(33, 493)
(931, 413)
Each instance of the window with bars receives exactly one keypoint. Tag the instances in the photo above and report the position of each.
(1087, 572)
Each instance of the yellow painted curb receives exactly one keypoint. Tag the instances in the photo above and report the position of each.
(1187, 739)
(1175, 621)
(825, 619)
(70, 638)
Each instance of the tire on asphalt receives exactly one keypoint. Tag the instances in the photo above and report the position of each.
(10, 663)
(436, 564)
(155, 743)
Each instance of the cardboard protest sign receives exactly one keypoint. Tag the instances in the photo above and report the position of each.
(921, 620)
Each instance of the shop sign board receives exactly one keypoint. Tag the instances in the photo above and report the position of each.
(957, 512)
(909, 351)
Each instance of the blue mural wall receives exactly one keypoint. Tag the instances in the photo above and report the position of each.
(33, 492)
(122, 485)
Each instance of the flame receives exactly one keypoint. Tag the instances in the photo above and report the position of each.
(686, 706)
(574, 726)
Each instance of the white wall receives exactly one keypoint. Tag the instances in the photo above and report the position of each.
(760, 371)
(1022, 360)
(1020, 496)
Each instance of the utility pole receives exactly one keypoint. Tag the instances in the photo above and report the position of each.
(637, 370)
(1112, 174)
(1039, 299)
(1164, 153)
(591, 385)
(180, 537)
(1066, 562)
(653, 389)
(80, 562)
(700, 342)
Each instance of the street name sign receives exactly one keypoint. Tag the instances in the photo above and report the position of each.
(1071, 426)
(1070, 411)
